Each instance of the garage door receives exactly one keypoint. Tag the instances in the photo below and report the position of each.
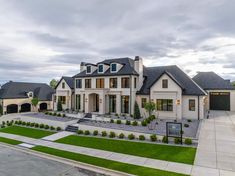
(13, 108)
(43, 106)
(25, 107)
(220, 101)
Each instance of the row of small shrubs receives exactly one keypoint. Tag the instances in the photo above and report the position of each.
(128, 122)
(7, 123)
(37, 125)
(146, 121)
(55, 114)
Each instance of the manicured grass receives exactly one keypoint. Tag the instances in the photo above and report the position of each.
(9, 141)
(161, 152)
(28, 132)
(128, 168)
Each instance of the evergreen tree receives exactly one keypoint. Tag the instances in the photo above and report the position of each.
(137, 111)
(59, 106)
(1, 110)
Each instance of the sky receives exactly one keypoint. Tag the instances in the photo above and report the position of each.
(41, 40)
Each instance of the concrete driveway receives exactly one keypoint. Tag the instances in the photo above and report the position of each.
(216, 149)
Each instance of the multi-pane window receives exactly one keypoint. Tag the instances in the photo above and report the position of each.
(101, 68)
(125, 82)
(62, 99)
(78, 83)
(87, 83)
(143, 101)
(164, 83)
(63, 85)
(112, 103)
(78, 102)
(113, 82)
(164, 104)
(191, 105)
(88, 69)
(135, 83)
(113, 67)
(125, 104)
(100, 83)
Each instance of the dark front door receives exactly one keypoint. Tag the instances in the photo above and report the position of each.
(43, 106)
(13, 108)
(25, 107)
(220, 101)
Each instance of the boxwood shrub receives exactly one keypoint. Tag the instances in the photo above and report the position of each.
(131, 136)
(121, 136)
(188, 141)
(177, 141)
(119, 122)
(164, 139)
(103, 133)
(41, 125)
(135, 123)
(58, 129)
(141, 137)
(112, 134)
(144, 123)
(95, 133)
(52, 128)
(153, 137)
(128, 122)
(87, 132)
(46, 127)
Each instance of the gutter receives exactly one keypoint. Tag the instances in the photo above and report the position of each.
(198, 104)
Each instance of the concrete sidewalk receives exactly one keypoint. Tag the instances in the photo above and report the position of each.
(57, 136)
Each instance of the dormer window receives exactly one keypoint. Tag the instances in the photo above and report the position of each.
(164, 83)
(113, 67)
(101, 68)
(88, 69)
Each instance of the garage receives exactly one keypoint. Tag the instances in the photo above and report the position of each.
(220, 101)
(13, 108)
(43, 106)
(26, 107)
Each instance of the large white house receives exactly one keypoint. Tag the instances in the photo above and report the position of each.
(114, 85)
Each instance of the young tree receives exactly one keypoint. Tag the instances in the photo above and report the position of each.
(34, 102)
(136, 111)
(59, 106)
(53, 83)
(150, 107)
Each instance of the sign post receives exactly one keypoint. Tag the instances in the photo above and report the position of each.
(174, 129)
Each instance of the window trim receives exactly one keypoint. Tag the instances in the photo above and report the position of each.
(79, 84)
(102, 68)
(111, 68)
(89, 87)
(113, 84)
(98, 80)
(164, 86)
(167, 105)
(63, 85)
(190, 108)
(124, 87)
(87, 69)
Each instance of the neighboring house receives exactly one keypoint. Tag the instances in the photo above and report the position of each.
(113, 86)
(221, 94)
(65, 93)
(16, 97)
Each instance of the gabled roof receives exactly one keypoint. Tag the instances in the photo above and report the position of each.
(13, 90)
(68, 80)
(212, 81)
(127, 69)
(152, 75)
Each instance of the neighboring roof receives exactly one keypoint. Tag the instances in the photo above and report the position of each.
(127, 69)
(68, 80)
(13, 90)
(212, 81)
(152, 75)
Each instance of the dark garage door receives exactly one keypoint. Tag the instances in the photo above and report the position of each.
(13, 108)
(43, 106)
(25, 107)
(220, 101)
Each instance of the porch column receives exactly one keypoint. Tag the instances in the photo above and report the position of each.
(118, 104)
(101, 103)
(86, 103)
(81, 102)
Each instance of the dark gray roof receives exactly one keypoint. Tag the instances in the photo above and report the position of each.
(152, 74)
(127, 69)
(68, 80)
(13, 90)
(212, 81)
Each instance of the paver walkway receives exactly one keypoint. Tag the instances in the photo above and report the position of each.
(57, 136)
(216, 148)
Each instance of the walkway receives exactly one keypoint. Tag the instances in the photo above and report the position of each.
(57, 136)
(216, 148)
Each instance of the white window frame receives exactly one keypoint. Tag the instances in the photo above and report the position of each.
(102, 66)
(86, 69)
(111, 68)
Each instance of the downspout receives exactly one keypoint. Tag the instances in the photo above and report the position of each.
(198, 104)
(130, 95)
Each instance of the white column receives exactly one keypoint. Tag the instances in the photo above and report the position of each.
(118, 104)
(86, 103)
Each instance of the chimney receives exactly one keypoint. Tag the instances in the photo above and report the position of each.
(82, 66)
(139, 69)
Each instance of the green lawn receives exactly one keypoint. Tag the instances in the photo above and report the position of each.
(128, 168)
(161, 152)
(28, 132)
(9, 141)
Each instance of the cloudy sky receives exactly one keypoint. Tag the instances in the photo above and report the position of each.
(45, 39)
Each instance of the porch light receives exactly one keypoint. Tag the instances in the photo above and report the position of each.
(177, 102)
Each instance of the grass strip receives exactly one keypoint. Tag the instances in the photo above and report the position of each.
(9, 141)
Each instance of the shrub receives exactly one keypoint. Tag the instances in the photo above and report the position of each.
(116, 114)
(59, 115)
(32, 124)
(41, 125)
(148, 120)
(141, 137)
(128, 122)
(164, 139)
(46, 127)
(52, 128)
(46, 113)
(131, 136)
(80, 132)
(186, 125)
(23, 123)
(50, 113)
(135, 123)
(111, 121)
(63, 115)
(112, 134)
(188, 141)
(54, 114)
(121, 136)
(36, 125)
(132, 115)
(103, 133)
(2, 126)
(95, 133)
(28, 124)
(189, 120)
(136, 111)
(58, 129)
(3, 122)
(177, 141)
(144, 123)
(153, 137)
(16, 122)
(19, 122)
(119, 121)
(87, 132)
(152, 117)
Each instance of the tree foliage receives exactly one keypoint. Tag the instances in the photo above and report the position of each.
(53, 83)
(34, 102)
(136, 111)
(150, 107)
(233, 83)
